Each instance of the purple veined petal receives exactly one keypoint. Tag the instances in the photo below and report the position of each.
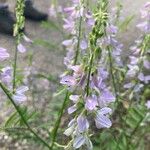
(3, 54)
(82, 123)
(102, 121)
(74, 98)
(143, 26)
(72, 109)
(108, 96)
(79, 141)
(19, 98)
(21, 48)
(112, 29)
(148, 104)
(22, 89)
(68, 80)
(89, 19)
(144, 13)
(104, 111)
(128, 85)
(147, 79)
(69, 10)
(141, 77)
(84, 45)
(102, 73)
(133, 60)
(91, 103)
(146, 64)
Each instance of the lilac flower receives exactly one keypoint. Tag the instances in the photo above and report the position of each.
(21, 48)
(91, 103)
(74, 98)
(72, 109)
(89, 19)
(105, 98)
(102, 120)
(112, 29)
(3, 54)
(83, 44)
(82, 123)
(144, 26)
(52, 11)
(6, 75)
(19, 95)
(128, 85)
(69, 25)
(133, 60)
(148, 104)
(143, 78)
(146, 64)
(68, 80)
(79, 141)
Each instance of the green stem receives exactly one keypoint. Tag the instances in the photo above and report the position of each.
(111, 73)
(78, 44)
(15, 64)
(22, 116)
(89, 75)
(57, 124)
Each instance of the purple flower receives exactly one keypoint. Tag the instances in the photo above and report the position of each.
(148, 104)
(72, 109)
(74, 98)
(52, 11)
(144, 26)
(79, 141)
(128, 85)
(19, 95)
(102, 120)
(82, 124)
(91, 103)
(21, 48)
(105, 98)
(3, 54)
(69, 25)
(146, 64)
(89, 19)
(68, 80)
(6, 75)
(133, 60)
(83, 44)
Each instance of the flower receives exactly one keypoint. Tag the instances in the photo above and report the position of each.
(3, 54)
(6, 75)
(91, 103)
(82, 123)
(148, 104)
(19, 95)
(102, 120)
(79, 141)
(21, 48)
